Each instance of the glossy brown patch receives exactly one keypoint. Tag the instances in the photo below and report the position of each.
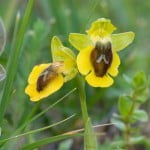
(101, 58)
(48, 75)
(45, 77)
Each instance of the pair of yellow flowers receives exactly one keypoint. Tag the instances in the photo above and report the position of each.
(97, 60)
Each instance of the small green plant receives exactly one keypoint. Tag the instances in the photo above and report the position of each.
(130, 111)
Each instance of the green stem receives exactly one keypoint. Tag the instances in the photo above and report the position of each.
(90, 140)
(81, 91)
(127, 136)
(127, 124)
(13, 62)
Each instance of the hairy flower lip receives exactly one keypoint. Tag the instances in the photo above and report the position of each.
(101, 58)
(49, 74)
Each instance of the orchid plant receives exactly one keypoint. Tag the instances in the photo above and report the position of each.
(97, 61)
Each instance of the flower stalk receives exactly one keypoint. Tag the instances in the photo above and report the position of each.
(81, 91)
(89, 132)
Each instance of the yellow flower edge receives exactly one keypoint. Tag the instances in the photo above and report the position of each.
(83, 60)
(95, 81)
(51, 87)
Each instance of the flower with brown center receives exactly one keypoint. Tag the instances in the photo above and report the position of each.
(46, 79)
(98, 60)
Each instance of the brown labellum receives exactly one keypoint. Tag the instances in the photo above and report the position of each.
(101, 58)
(48, 75)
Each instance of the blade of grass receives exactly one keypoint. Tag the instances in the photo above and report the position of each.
(49, 140)
(37, 130)
(13, 62)
(30, 118)
(70, 134)
(45, 110)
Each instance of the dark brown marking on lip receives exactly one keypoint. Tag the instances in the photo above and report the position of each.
(45, 77)
(101, 58)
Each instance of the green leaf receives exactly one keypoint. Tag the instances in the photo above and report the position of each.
(122, 40)
(139, 81)
(118, 123)
(90, 141)
(80, 41)
(142, 96)
(137, 139)
(122, 143)
(65, 145)
(125, 104)
(2, 73)
(118, 144)
(2, 36)
(140, 115)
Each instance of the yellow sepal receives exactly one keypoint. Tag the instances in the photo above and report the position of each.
(62, 53)
(101, 27)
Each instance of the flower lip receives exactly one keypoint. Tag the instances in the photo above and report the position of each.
(101, 58)
(50, 73)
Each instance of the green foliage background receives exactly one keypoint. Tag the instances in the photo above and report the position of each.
(60, 17)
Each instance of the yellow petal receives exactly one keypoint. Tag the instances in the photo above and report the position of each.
(83, 61)
(80, 41)
(37, 70)
(52, 87)
(113, 70)
(95, 81)
(122, 40)
(101, 27)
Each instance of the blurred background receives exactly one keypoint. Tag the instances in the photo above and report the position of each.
(60, 17)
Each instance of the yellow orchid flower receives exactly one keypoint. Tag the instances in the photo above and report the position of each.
(46, 79)
(98, 60)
